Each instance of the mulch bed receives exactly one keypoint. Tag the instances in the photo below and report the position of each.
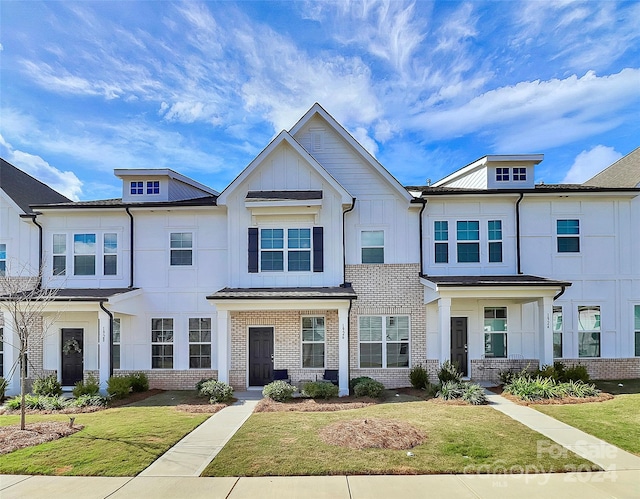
(201, 408)
(372, 433)
(556, 401)
(313, 405)
(13, 438)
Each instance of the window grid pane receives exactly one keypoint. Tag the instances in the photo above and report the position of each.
(372, 246)
(468, 252)
(299, 238)
(520, 174)
(441, 230)
(137, 188)
(162, 343)
(502, 174)
(495, 252)
(442, 252)
(313, 346)
(299, 261)
(495, 230)
(271, 261)
(272, 239)
(384, 341)
(468, 230)
(153, 187)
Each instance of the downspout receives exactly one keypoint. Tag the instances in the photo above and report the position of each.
(344, 247)
(349, 343)
(562, 290)
(130, 247)
(518, 266)
(40, 262)
(110, 337)
(421, 242)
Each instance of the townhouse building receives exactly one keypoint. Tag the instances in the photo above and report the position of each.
(316, 258)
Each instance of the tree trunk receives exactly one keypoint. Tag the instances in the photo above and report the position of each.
(23, 386)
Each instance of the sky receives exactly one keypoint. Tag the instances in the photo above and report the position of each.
(203, 87)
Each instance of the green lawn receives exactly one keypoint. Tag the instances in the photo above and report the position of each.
(115, 442)
(613, 386)
(616, 421)
(459, 439)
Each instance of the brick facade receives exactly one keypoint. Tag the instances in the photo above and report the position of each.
(169, 379)
(608, 368)
(488, 369)
(389, 289)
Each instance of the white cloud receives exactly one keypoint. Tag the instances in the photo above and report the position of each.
(65, 182)
(588, 163)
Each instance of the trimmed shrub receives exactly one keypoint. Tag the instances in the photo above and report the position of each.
(474, 394)
(449, 372)
(354, 381)
(48, 386)
(39, 402)
(279, 390)
(418, 377)
(91, 387)
(471, 393)
(13, 404)
(53, 403)
(216, 391)
(88, 400)
(118, 387)
(320, 390)
(539, 388)
(202, 382)
(577, 373)
(139, 382)
(369, 388)
(450, 390)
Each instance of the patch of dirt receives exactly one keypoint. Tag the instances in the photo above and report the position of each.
(201, 408)
(313, 405)
(372, 433)
(13, 438)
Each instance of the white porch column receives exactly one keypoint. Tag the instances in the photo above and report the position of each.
(545, 319)
(343, 351)
(10, 351)
(104, 349)
(223, 345)
(444, 328)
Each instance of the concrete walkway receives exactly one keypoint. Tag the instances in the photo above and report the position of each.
(191, 455)
(607, 456)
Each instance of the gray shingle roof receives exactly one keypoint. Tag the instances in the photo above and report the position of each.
(494, 280)
(623, 173)
(284, 195)
(117, 203)
(327, 293)
(26, 190)
(426, 190)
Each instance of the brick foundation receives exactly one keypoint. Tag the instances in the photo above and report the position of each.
(608, 368)
(168, 379)
(488, 369)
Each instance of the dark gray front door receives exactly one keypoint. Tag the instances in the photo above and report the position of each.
(260, 356)
(459, 343)
(72, 346)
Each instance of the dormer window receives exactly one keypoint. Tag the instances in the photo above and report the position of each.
(153, 187)
(502, 174)
(520, 174)
(137, 188)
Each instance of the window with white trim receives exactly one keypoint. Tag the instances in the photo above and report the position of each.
(162, 343)
(110, 253)
(495, 332)
(137, 188)
(636, 328)
(557, 332)
(441, 238)
(568, 236)
(116, 343)
(3, 259)
(519, 174)
(494, 233)
(468, 239)
(200, 343)
(296, 246)
(153, 187)
(384, 341)
(181, 247)
(588, 331)
(372, 244)
(502, 174)
(59, 254)
(84, 254)
(313, 342)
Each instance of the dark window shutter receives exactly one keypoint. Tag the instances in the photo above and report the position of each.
(318, 249)
(253, 250)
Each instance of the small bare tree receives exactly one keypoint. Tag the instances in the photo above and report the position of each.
(23, 302)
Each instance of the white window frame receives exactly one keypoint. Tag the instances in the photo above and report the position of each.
(636, 330)
(560, 236)
(200, 341)
(108, 252)
(139, 187)
(57, 254)
(117, 338)
(502, 174)
(94, 254)
(519, 174)
(165, 343)
(152, 185)
(504, 333)
(285, 250)
(363, 247)
(592, 331)
(181, 249)
(495, 241)
(384, 341)
(304, 342)
(3, 259)
(436, 241)
(558, 328)
(468, 241)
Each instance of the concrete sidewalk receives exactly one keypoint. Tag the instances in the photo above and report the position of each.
(191, 455)
(607, 456)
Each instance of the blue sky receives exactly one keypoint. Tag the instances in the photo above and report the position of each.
(202, 88)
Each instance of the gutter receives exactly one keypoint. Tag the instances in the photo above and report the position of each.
(518, 265)
(40, 262)
(130, 246)
(562, 290)
(344, 249)
(110, 337)
(421, 242)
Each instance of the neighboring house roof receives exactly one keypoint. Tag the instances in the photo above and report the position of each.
(426, 190)
(317, 109)
(328, 293)
(493, 280)
(623, 173)
(117, 203)
(24, 190)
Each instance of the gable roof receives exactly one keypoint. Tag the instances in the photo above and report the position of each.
(483, 161)
(623, 173)
(318, 110)
(285, 137)
(25, 190)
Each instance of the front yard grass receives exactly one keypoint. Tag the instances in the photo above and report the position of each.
(459, 439)
(115, 442)
(615, 421)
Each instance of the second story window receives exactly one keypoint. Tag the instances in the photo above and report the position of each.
(110, 254)
(372, 246)
(286, 250)
(519, 174)
(3, 259)
(153, 187)
(272, 250)
(495, 240)
(59, 254)
(568, 233)
(441, 236)
(502, 174)
(181, 244)
(84, 254)
(137, 188)
(468, 236)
